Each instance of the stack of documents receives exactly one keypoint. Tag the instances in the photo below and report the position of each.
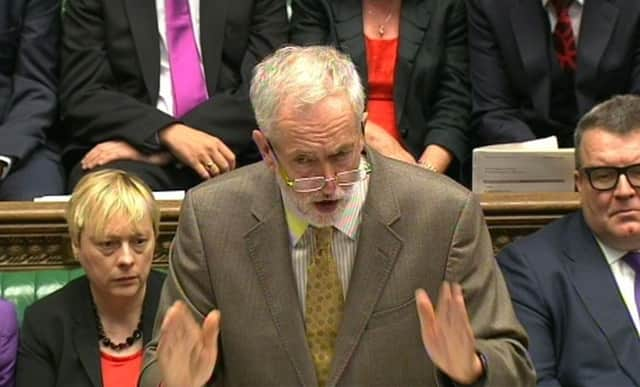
(532, 166)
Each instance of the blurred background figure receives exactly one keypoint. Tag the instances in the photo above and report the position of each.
(8, 343)
(537, 66)
(29, 160)
(412, 59)
(147, 88)
(92, 331)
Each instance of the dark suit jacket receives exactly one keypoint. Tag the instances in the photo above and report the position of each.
(59, 337)
(111, 70)
(511, 63)
(29, 33)
(432, 92)
(564, 293)
(232, 252)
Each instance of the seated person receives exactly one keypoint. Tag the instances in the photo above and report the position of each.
(575, 284)
(146, 87)
(537, 66)
(8, 343)
(29, 161)
(412, 57)
(91, 332)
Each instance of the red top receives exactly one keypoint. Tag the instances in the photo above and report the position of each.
(381, 62)
(121, 371)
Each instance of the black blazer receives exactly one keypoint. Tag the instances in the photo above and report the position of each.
(511, 63)
(431, 93)
(58, 337)
(111, 70)
(29, 33)
(563, 291)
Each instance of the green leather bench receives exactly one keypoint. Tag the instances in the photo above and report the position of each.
(24, 287)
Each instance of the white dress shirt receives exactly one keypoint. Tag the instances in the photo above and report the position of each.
(625, 277)
(575, 13)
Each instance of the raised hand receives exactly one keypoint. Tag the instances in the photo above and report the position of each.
(186, 352)
(202, 152)
(447, 335)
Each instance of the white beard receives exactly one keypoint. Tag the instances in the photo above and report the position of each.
(302, 204)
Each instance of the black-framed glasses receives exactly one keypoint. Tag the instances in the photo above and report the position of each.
(342, 179)
(606, 178)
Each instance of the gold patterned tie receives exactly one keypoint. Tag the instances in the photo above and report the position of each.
(324, 303)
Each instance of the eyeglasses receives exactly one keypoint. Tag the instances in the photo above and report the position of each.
(316, 183)
(606, 178)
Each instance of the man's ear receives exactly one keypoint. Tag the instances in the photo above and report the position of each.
(578, 179)
(263, 146)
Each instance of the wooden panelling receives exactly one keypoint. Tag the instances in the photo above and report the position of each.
(34, 235)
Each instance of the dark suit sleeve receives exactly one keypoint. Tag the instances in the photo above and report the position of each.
(228, 114)
(93, 109)
(32, 105)
(448, 124)
(499, 335)
(35, 361)
(495, 117)
(532, 312)
(310, 23)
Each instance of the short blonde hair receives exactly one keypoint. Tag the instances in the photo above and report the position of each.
(101, 195)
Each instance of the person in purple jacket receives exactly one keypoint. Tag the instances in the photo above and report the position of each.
(8, 343)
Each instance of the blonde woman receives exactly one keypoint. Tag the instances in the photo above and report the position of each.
(92, 331)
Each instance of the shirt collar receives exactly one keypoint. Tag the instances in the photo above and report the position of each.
(579, 2)
(347, 222)
(611, 254)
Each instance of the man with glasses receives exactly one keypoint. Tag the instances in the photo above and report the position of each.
(574, 283)
(321, 261)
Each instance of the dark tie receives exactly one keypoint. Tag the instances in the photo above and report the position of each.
(187, 79)
(563, 37)
(632, 258)
(323, 303)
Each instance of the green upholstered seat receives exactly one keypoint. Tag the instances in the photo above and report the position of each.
(24, 287)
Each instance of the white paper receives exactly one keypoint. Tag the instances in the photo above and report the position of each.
(531, 166)
(158, 195)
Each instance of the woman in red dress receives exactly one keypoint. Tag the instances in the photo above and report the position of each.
(412, 57)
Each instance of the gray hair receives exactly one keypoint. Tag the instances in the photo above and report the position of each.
(298, 77)
(618, 115)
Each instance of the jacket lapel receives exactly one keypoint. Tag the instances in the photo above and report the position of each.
(268, 247)
(530, 31)
(213, 15)
(349, 29)
(85, 337)
(598, 21)
(414, 21)
(143, 22)
(587, 267)
(378, 248)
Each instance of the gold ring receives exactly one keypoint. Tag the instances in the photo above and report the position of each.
(209, 165)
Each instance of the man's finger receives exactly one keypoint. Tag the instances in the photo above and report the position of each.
(426, 313)
(211, 329)
(228, 155)
(221, 163)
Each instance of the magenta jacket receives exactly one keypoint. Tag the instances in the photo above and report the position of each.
(8, 343)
